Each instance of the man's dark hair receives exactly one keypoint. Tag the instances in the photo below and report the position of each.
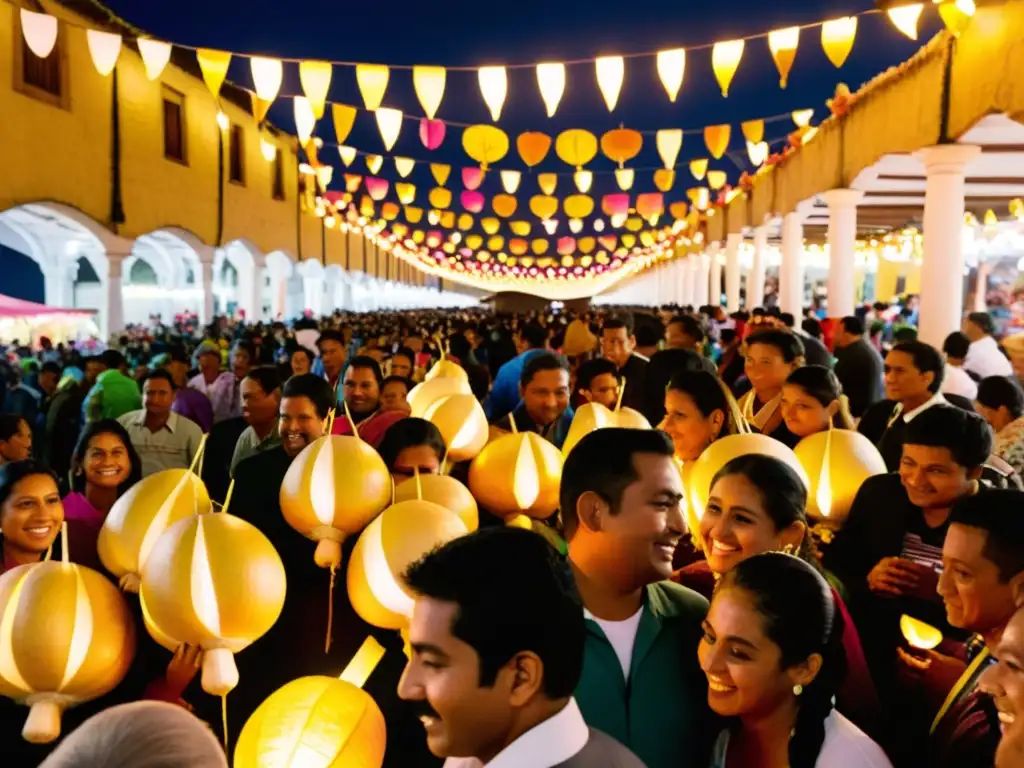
(812, 328)
(956, 345)
(692, 326)
(905, 334)
(591, 369)
(158, 373)
(266, 376)
(112, 359)
(534, 335)
(407, 382)
(513, 593)
(966, 435)
(177, 354)
(927, 359)
(245, 346)
(545, 361)
(853, 325)
(788, 344)
(602, 462)
(407, 353)
(619, 320)
(51, 367)
(314, 388)
(984, 321)
(649, 331)
(997, 513)
(331, 334)
(365, 361)
(996, 391)
(788, 319)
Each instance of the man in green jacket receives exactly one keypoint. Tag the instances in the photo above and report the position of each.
(621, 497)
(114, 393)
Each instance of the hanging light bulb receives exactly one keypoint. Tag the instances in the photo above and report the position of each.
(222, 121)
(671, 69)
(619, 219)
(783, 44)
(575, 226)
(584, 179)
(268, 150)
(599, 225)
(305, 121)
(494, 87)
(699, 168)
(155, 56)
(104, 48)
(373, 82)
(510, 181)
(610, 72)
(347, 154)
(374, 163)
(40, 32)
(725, 60)
(906, 17)
(315, 77)
(389, 122)
(758, 152)
(956, 15)
(429, 83)
(624, 177)
(669, 141)
(551, 81)
(404, 166)
(266, 76)
(550, 225)
(802, 117)
(837, 38)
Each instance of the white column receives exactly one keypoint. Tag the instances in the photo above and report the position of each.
(755, 281)
(842, 242)
(791, 271)
(254, 302)
(701, 277)
(732, 272)
(206, 316)
(715, 283)
(692, 268)
(942, 270)
(114, 319)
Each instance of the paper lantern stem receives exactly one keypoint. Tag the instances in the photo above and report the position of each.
(220, 675)
(64, 543)
(328, 553)
(622, 391)
(224, 720)
(227, 498)
(43, 722)
(130, 582)
(351, 421)
(330, 613)
(419, 483)
(197, 460)
(365, 660)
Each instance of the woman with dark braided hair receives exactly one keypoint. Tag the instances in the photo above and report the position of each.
(773, 654)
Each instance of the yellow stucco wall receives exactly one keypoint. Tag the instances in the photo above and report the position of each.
(888, 274)
(50, 153)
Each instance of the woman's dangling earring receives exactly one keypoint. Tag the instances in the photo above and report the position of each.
(798, 689)
(789, 549)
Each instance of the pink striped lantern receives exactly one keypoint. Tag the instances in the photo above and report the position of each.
(472, 200)
(431, 133)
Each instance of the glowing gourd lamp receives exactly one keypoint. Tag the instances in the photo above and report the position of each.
(918, 634)
(399, 536)
(445, 491)
(141, 515)
(423, 395)
(837, 462)
(588, 417)
(214, 580)
(332, 490)
(517, 474)
(66, 636)
(462, 423)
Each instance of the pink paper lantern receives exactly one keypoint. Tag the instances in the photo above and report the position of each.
(431, 133)
(472, 201)
(377, 188)
(472, 178)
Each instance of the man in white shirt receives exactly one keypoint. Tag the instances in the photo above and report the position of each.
(984, 358)
(497, 636)
(162, 438)
(956, 381)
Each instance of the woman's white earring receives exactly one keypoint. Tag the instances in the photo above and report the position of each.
(798, 689)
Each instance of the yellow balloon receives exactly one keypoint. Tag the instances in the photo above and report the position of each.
(445, 491)
(543, 206)
(486, 144)
(576, 147)
(837, 463)
(423, 395)
(333, 489)
(66, 636)
(517, 474)
(214, 580)
(578, 206)
(145, 511)
(462, 423)
(321, 721)
(400, 535)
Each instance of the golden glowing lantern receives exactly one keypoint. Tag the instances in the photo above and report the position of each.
(783, 44)
(214, 66)
(664, 179)
(495, 243)
(398, 537)
(837, 461)
(510, 181)
(551, 81)
(578, 206)
(347, 155)
(725, 60)
(543, 206)
(406, 193)
(490, 225)
(906, 17)
(584, 180)
(332, 490)
(717, 179)
(155, 55)
(628, 240)
(305, 121)
(837, 38)
(621, 145)
(957, 14)
(214, 580)
(589, 417)
(504, 205)
(445, 368)
(389, 123)
(753, 130)
(422, 396)
(533, 147)
(485, 143)
(758, 152)
(669, 142)
(429, 83)
(576, 147)
(918, 634)
(444, 491)
(473, 242)
(314, 722)
(517, 246)
(678, 210)
(520, 228)
(40, 32)
(448, 219)
(104, 48)
(344, 117)
(373, 82)
(315, 77)
(547, 182)
(268, 150)
(650, 204)
(610, 72)
(66, 636)
(624, 177)
(465, 222)
(266, 76)
(802, 117)
(586, 244)
(389, 211)
(517, 474)
(440, 197)
(440, 172)
(717, 137)
(550, 225)
(494, 88)
(413, 215)
(699, 168)
(141, 515)
(671, 68)
(697, 475)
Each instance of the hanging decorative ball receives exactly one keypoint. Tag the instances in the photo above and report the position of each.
(215, 581)
(422, 396)
(144, 512)
(445, 491)
(629, 418)
(462, 423)
(332, 490)
(837, 462)
(399, 536)
(517, 474)
(314, 721)
(588, 417)
(66, 636)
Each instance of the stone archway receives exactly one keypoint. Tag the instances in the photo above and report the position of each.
(250, 266)
(280, 271)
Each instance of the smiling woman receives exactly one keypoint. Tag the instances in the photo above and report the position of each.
(31, 513)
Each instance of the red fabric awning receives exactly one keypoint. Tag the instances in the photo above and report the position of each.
(11, 307)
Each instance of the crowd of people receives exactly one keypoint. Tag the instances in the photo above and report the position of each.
(651, 634)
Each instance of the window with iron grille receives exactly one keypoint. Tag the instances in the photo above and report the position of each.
(174, 125)
(237, 155)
